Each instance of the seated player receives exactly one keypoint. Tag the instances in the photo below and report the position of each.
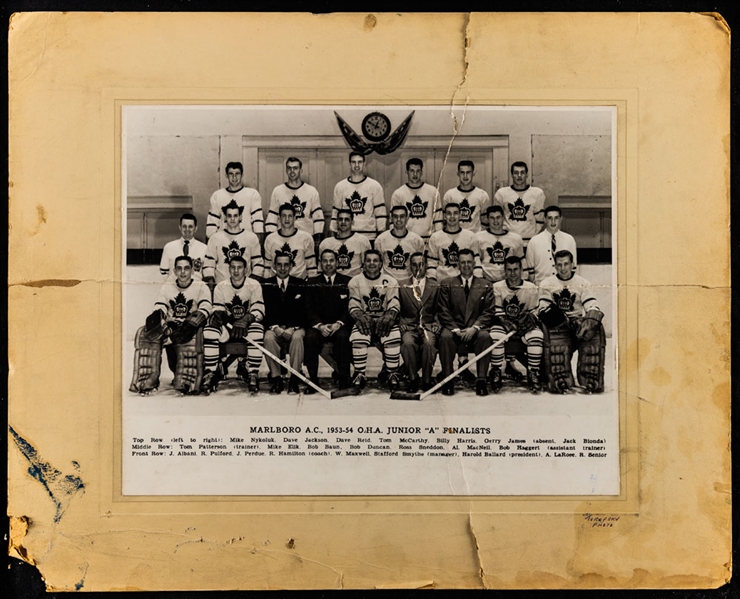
(374, 306)
(238, 311)
(515, 304)
(571, 320)
(181, 310)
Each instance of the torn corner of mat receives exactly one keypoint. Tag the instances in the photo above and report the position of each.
(18, 530)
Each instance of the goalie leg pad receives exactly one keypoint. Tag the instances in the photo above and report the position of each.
(590, 367)
(558, 351)
(147, 362)
(189, 371)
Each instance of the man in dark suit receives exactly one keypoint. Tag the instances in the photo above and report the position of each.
(419, 325)
(328, 320)
(465, 311)
(284, 298)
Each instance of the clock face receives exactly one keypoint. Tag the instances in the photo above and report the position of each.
(376, 126)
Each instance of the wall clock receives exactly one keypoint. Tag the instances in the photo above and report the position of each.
(376, 126)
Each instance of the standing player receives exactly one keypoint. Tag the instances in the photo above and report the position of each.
(523, 205)
(364, 197)
(245, 197)
(472, 200)
(420, 199)
(350, 247)
(445, 246)
(309, 216)
(543, 247)
(238, 311)
(291, 242)
(229, 242)
(497, 244)
(396, 246)
(187, 245)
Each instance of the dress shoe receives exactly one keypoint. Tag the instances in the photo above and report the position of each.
(412, 386)
(309, 389)
(480, 387)
(276, 385)
(293, 384)
(467, 377)
(448, 389)
(426, 385)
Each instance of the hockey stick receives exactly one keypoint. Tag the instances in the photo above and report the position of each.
(417, 396)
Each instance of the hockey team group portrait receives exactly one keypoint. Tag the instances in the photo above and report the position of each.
(358, 259)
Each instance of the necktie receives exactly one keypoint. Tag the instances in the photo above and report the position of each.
(186, 248)
(282, 285)
(417, 292)
(467, 288)
(328, 281)
(553, 245)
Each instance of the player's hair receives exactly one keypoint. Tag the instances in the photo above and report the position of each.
(187, 259)
(510, 260)
(188, 216)
(241, 259)
(356, 153)
(372, 251)
(328, 251)
(560, 254)
(469, 163)
(417, 254)
(286, 206)
(279, 255)
(495, 208)
(453, 205)
(294, 159)
(346, 211)
(237, 165)
(465, 251)
(519, 163)
(553, 208)
(414, 161)
(405, 210)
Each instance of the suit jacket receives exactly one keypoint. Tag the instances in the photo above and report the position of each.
(455, 312)
(413, 312)
(327, 304)
(284, 309)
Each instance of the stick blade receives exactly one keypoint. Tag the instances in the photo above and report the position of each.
(405, 395)
(345, 392)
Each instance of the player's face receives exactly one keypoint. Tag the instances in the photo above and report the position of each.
(235, 177)
(465, 174)
(372, 265)
(287, 218)
(282, 267)
(418, 267)
(233, 218)
(564, 267)
(414, 175)
(552, 222)
(398, 219)
(344, 223)
(452, 218)
(293, 170)
(188, 229)
(238, 272)
(183, 272)
(466, 263)
(328, 264)
(495, 222)
(519, 176)
(357, 165)
(513, 274)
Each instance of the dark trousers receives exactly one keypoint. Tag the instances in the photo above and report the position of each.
(342, 351)
(450, 344)
(419, 347)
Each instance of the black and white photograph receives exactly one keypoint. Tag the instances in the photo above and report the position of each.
(369, 300)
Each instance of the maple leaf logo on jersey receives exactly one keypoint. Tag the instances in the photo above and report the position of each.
(466, 211)
(180, 306)
(344, 258)
(518, 210)
(513, 307)
(564, 299)
(300, 207)
(417, 208)
(356, 203)
(237, 307)
(497, 252)
(233, 204)
(450, 254)
(397, 258)
(286, 250)
(232, 251)
(373, 302)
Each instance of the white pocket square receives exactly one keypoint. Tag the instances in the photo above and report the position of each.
(297, 296)
(343, 296)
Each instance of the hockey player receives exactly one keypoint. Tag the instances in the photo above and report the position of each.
(181, 310)
(374, 306)
(496, 244)
(364, 197)
(291, 242)
(543, 247)
(229, 242)
(445, 245)
(238, 311)
(571, 320)
(187, 245)
(515, 306)
(245, 197)
(350, 247)
(396, 246)
(472, 200)
(523, 205)
(420, 199)
(309, 216)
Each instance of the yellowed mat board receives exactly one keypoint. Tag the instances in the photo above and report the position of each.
(668, 75)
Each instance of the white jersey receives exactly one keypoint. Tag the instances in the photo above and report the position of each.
(249, 202)
(494, 249)
(350, 252)
(373, 296)
(574, 297)
(396, 253)
(178, 303)
(421, 203)
(513, 302)
(174, 249)
(309, 216)
(238, 301)
(365, 200)
(523, 210)
(442, 254)
(474, 205)
(540, 257)
(298, 246)
(224, 246)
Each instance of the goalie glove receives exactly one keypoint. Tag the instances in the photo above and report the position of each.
(527, 322)
(384, 324)
(154, 321)
(241, 325)
(186, 331)
(589, 324)
(363, 321)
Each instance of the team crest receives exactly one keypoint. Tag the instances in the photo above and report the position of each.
(397, 258)
(373, 301)
(356, 203)
(237, 307)
(344, 258)
(232, 251)
(180, 306)
(233, 204)
(513, 307)
(497, 252)
(518, 210)
(300, 207)
(466, 211)
(451, 254)
(417, 208)
(564, 299)
(197, 264)
(286, 250)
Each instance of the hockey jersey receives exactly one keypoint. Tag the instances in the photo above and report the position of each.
(373, 296)
(523, 210)
(574, 297)
(298, 246)
(178, 303)
(511, 303)
(474, 205)
(309, 216)
(494, 249)
(350, 252)
(238, 301)
(174, 249)
(443, 251)
(365, 200)
(247, 199)
(396, 253)
(421, 203)
(223, 246)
